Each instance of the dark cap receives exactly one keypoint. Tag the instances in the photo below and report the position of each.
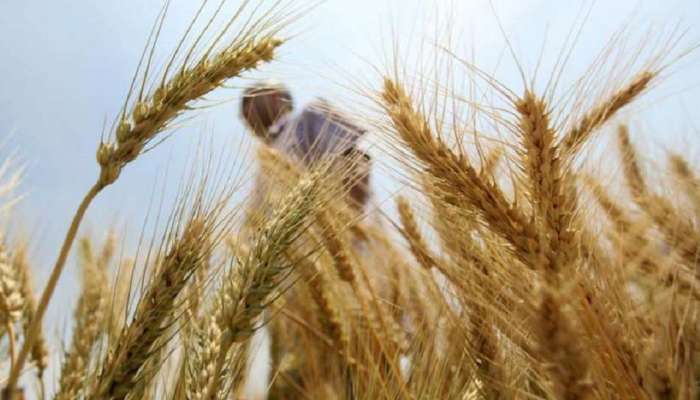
(263, 103)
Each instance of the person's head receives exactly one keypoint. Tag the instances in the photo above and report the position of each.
(262, 104)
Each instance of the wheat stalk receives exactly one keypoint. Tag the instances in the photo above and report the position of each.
(89, 317)
(122, 369)
(135, 130)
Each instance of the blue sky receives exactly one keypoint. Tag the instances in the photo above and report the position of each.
(67, 65)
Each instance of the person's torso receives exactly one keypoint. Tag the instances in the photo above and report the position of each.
(318, 131)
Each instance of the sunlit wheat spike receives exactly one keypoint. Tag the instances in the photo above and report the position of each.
(153, 113)
(634, 177)
(336, 246)
(40, 350)
(201, 358)
(11, 296)
(546, 176)
(247, 288)
(456, 176)
(318, 285)
(412, 234)
(604, 111)
(89, 321)
(679, 233)
(689, 180)
(122, 369)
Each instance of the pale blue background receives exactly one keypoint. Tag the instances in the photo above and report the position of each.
(66, 66)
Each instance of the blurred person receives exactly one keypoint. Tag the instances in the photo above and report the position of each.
(319, 132)
(316, 134)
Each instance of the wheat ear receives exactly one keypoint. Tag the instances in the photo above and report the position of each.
(11, 297)
(411, 233)
(138, 128)
(247, 290)
(40, 352)
(318, 287)
(456, 177)
(89, 320)
(122, 369)
(11, 300)
(201, 358)
(383, 330)
(541, 162)
(604, 111)
(634, 243)
(688, 180)
(684, 238)
(554, 207)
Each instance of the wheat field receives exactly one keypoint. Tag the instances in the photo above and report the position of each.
(511, 270)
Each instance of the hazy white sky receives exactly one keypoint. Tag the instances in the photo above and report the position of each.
(67, 65)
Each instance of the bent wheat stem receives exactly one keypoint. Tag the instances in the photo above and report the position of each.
(35, 326)
(135, 130)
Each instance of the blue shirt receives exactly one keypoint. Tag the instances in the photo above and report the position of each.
(318, 131)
